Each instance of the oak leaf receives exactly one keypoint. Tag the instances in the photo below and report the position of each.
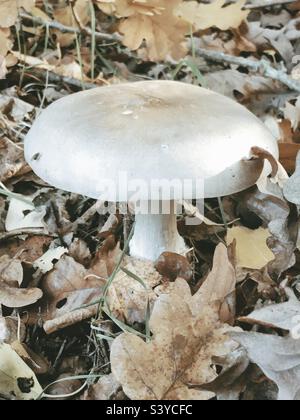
(180, 355)
(204, 16)
(154, 22)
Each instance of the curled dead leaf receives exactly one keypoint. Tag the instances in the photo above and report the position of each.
(13, 297)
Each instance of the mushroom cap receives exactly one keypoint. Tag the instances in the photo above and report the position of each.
(143, 132)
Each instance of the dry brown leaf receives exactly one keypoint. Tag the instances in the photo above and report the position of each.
(65, 16)
(11, 271)
(156, 24)
(9, 10)
(66, 289)
(251, 246)
(13, 297)
(219, 286)
(127, 298)
(204, 16)
(28, 249)
(11, 160)
(107, 388)
(37, 363)
(179, 354)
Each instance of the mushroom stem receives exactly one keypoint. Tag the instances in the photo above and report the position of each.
(156, 233)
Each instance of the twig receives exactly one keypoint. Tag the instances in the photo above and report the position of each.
(57, 78)
(267, 3)
(262, 66)
(69, 29)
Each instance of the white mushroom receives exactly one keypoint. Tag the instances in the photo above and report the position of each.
(103, 142)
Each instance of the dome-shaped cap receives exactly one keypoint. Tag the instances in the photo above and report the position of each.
(146, 131)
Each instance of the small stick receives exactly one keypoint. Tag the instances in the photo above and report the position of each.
(69, 29)
(259, 66)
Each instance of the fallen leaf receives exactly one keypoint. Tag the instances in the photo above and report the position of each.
(21, 215)
(204, 16)
(13, 297)
(107, 388)
(45, 262)
(37, 363)
(282, 224)
(3, 67)
(277, 357)
(64, 15)
(281, 315)
(11, 329)
(9, 10)
(155, 23)
(11, 277)
(127, 297)
(5, 42)
(251, 246)
(12, 161)
(67, 290)
(219, 286)
(291, 189)
(13, 107)
(17, 381)
(178, 356)
(11, 271)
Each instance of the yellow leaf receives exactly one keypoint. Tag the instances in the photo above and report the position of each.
(251, 247)
(204, 16)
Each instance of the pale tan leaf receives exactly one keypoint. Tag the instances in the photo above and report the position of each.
(21, 215)
(219, 286)
(163, 32)
(13, 297)
(179, 355)
(251, 246)
(17, 380)
(204, 16)
(9, 10)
